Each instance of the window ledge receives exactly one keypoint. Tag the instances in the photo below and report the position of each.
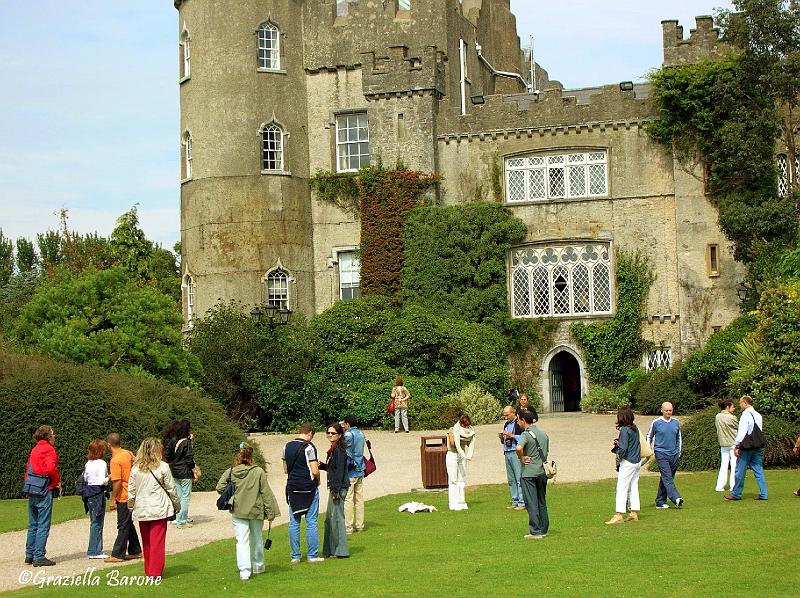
(600, 316)
(533, 202)
(277, 172)
(183, 80)
(713, 275)
(185, 180)
(276, 71)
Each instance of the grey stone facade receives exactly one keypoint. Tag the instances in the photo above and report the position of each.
(403, 69)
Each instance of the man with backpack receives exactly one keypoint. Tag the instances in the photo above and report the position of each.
(749, 446)
(126, 546)
(532, 450)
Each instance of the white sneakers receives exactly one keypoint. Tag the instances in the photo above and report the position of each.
(98, 556)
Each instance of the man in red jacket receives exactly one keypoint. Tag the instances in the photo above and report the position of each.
(43, 461)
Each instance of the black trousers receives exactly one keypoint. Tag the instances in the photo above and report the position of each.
(127, 539)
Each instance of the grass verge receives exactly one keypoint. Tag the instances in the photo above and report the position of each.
(14, 512)
(708, 548)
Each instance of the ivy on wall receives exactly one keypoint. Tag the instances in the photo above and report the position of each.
(614, 347)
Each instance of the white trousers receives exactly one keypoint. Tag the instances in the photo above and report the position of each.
(727, 462)
(249, 550)
(628, 486)
(457, 480)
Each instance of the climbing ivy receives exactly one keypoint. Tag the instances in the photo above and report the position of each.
(614, 347)
(337, 188)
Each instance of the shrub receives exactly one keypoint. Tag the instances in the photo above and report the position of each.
(355, 324)
(633, 381)
(433, 412)
(479, 405)
(701, 448)
(600, 398)
(83, 403)
(665, 385)
(707, 370)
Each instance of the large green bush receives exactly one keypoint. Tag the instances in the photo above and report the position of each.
(701, 448)
(665, 385)
(355, 324)
(600, 399)
(83, 403)
(707, 370)
(479, 405)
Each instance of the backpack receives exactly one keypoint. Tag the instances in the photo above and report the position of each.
(224, 501)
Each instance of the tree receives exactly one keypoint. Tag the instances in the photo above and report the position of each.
(27, 261)
(6, 258)
(130, 248)
(104, 318)
(49, 245)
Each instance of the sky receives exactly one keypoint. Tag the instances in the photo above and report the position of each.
(89, 113)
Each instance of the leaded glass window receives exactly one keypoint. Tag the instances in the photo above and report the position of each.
(269, 47)
(660, 358)
(561, 280)
(557, 176)
(272, 147)
(277, 283)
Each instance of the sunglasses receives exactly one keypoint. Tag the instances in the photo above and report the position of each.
(331, 433)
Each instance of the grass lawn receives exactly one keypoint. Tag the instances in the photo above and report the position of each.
(708, 548)
(14, 513)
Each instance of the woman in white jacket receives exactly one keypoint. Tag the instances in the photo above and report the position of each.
(152, 500)
(460, 446)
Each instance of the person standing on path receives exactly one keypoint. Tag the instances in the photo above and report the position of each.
(509, 438)
(354, 501)
(524, 404)
(253, 502)
(126, 546)
(629, 452)
(748, 457)
(532, 450)
(400, 396)
(43, 461)
(179, 453)
(152, 498)
(95, 476)
(301, 466)
(665, 438)
(727, 425)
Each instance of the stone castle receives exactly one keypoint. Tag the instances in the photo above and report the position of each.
(272, 91)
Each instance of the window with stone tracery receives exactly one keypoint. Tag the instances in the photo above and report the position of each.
(556, 176)
(277, 283)
(561, 280)
(786, 176)
(660, 358)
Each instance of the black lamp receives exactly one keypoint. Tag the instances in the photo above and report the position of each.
(276, 316)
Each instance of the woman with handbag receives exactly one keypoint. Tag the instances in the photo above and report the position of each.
(460, 447)
(400, 396)
(727, 425)
(253, 501)
(179, 453)
(95, 477)
(628, 450)
(334, 544)
(152, 500)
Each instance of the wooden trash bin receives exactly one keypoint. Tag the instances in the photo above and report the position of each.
(432, 453)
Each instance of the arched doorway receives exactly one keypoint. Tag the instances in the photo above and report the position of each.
(565, 382)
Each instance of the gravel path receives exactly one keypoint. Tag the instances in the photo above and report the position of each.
(579, 443)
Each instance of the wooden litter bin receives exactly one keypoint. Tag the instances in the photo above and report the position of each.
(432, 453)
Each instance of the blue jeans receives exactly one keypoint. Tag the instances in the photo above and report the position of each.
(183, 487)
(750, 458)
(97, 516)
(514, 475)
(667, 466)
(312, 535)
(40, 511)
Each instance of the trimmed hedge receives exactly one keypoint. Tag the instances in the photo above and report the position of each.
(701, 448)
(82, 403)
(650, 391)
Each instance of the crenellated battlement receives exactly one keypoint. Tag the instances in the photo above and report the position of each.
(703, 42)
(397, 73)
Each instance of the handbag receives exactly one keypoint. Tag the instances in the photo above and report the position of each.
(35, 484)
(175, 508)
(196, 473)
(550, 469)
(645, 450)
(224, 500)
(369, 464)
(390, 407)
(755, 439)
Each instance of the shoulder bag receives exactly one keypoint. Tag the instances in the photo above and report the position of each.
(550, 469)
(35, 484)
(645, 450)
(369, 464)
(174, 508)
(755, 439)
(224, 500)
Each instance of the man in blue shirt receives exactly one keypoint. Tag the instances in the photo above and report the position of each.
(665, 438)
(509, 438)
(354, 501)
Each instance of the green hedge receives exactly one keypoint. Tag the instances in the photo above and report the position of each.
(701, 448)
(83, 403)
(650, 391)
(600, 398)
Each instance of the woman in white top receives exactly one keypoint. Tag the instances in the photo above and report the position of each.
(460, 446)
(95, 475)
(152, 500)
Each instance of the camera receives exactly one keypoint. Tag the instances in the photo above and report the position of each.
(267, 543)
